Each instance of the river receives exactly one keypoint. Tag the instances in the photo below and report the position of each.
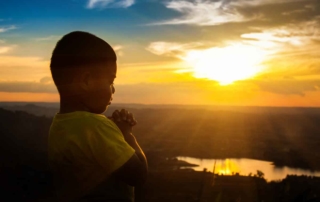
(245, 166)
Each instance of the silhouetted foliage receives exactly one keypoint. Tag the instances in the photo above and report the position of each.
(260, 174)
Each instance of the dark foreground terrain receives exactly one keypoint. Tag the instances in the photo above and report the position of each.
(288, 137)
(24, 183)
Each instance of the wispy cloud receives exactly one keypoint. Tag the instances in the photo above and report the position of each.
(109, 4)
(202, 12)
(288, 86)
(5, 29)
(173, 49)
(306, 8)
(210, 12)
(27, 86)
(46, 80)
(118, 49)
(258, 2)
(48, 38)
(19, 68)
(300, 37)
(5, 49)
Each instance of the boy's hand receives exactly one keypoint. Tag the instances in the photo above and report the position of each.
(124, 120)
(124, 116)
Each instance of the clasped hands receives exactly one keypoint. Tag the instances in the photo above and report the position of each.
(124, 120)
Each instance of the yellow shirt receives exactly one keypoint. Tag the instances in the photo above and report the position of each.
(84, 150)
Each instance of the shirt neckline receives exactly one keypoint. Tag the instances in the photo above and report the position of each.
(75, 114)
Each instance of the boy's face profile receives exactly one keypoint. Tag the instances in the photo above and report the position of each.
(98, 88)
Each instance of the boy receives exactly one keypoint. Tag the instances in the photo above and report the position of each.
(93, 158)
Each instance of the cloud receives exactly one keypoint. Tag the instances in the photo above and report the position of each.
(118, 49)
(46, 80)
(294, 12)
(294, 46)
(109, 4)
(184, 50)
(202, 12)
(5, 49)
(288, 86)
(27, 86)
(5, 29)
(48, 38)
(172, 49)
(279, 41)
(259, 2)
(23, 68)
(215, 12)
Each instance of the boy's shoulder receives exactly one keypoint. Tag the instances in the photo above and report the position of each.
(80, 128)
(82, 119)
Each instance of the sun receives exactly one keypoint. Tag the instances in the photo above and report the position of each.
(226, 64)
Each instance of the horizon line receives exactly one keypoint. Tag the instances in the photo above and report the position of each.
(189, 105)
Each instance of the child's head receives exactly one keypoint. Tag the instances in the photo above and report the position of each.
(83, 68)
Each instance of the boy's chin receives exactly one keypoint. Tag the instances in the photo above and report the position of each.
(107, 106)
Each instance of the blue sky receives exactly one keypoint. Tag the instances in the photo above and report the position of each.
(41, 19)
(206, 48)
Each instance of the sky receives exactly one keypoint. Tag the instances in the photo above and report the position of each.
(193, 52)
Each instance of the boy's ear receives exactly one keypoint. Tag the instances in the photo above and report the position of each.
(85, 81)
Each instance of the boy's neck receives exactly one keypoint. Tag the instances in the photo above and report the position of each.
(71, 105)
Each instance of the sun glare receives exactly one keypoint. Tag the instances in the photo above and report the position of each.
(226, 167)
(227, 64)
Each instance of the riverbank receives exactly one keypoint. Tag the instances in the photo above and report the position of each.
(192, 186)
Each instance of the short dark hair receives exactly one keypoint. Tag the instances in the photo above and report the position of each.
(78, 50)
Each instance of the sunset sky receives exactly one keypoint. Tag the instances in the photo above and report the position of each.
(198, 52)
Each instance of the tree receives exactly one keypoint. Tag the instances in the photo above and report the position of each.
(260, 174)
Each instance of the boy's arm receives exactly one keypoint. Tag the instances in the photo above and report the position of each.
(134, 171)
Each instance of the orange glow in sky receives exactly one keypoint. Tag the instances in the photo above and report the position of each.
(201, 53)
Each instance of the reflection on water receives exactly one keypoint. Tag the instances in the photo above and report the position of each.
(245, 167)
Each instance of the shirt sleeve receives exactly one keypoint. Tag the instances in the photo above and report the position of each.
(108, 147)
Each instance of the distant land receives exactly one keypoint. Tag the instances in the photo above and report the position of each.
(285, 136)
(247, 109)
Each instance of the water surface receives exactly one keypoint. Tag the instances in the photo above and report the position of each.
(245, 166)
